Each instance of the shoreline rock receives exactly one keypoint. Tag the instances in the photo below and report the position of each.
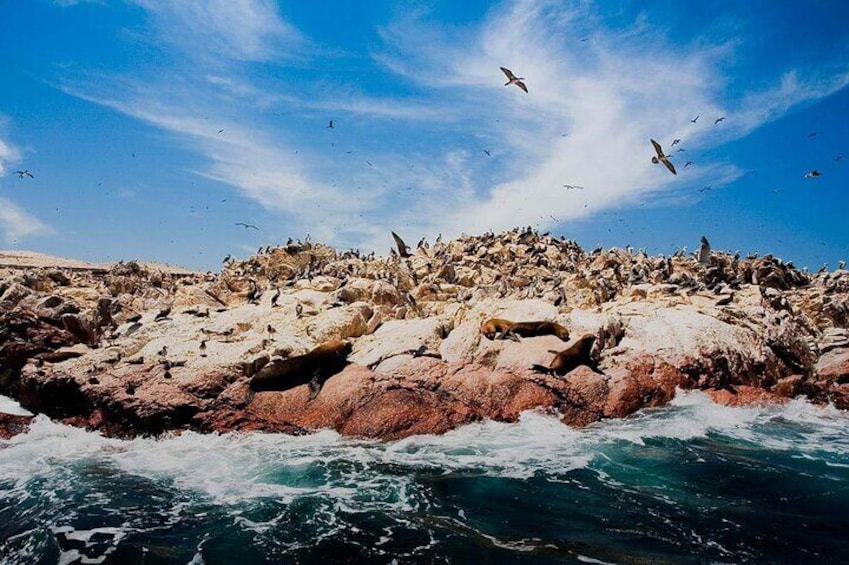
(119, 350)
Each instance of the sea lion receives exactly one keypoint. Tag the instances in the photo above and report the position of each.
(509, 330)
(313, 368)
(570, 358)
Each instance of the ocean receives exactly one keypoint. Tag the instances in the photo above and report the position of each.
(693, 482)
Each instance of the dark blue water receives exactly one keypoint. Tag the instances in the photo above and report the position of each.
(690, 483)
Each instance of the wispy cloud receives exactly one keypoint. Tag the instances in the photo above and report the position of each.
(16, 224)
(592, 108)
(248, 30)
(420, 167)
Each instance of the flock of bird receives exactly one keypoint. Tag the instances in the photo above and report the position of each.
(661, 157)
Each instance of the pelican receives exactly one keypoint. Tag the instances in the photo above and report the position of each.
(661, 158)
(511, 79)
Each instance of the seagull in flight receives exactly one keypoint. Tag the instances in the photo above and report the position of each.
(687, 164)
(722, 119)
(696, 119)
(706, 188)
(24, 173)
(661, 158)
(247, 226)
(488, 154)
(330, 125)
(813, 174)
(573, 187)
(675, 142)
(512, 79)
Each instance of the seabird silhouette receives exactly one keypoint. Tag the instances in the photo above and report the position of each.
(24, 173)
(330, 124)
(488, 154)
(812, 174)
(704, 251)
(696, 119)
(722, 119)
(247, 225)
(512, 79)
(573, 187)
(403, 248)
(706, 188)
(675, 142)
(661, 158)
(812, 134)
(687, 164)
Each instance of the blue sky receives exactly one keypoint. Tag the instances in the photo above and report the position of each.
(153, 126)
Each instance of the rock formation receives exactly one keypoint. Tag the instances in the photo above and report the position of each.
(138, 350)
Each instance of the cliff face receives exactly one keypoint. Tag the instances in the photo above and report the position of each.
(120, 350)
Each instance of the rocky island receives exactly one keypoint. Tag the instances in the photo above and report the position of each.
(136, 349)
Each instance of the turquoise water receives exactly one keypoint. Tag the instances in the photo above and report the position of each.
(690, 483)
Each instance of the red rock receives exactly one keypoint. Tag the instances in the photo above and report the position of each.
(12, 425)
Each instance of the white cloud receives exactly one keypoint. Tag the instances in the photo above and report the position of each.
(248, 30)
(609, 96)
(16, 224)
(592, 108)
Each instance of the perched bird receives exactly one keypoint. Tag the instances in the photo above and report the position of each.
(812, 174)
(24, 173)
(299, 310)
(403, 248)
(270, 329)
(511, 79)
(675, 142)
(203, 348)
(661, 158)
(722, 119)
(246, 226)
(696, 119)
(275, 297)
(162, 314)
(704, 251)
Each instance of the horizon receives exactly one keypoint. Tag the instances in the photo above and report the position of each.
(153, 128)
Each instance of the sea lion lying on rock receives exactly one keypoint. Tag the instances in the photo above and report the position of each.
(313, 368)
(511, 330)
(570, 358)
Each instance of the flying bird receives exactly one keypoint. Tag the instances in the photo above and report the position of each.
(812, 134)
(573, 187)
(722, 119)
(687, 164)
(813, 174)
(24, 173)
(696, 119)
(511, 79)
(403, 248)
(705, 188)
(838, 158)
(661, 158)
(675, 142)
(221, 130)
(488, 154)
(330, 124)
(247, 226)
